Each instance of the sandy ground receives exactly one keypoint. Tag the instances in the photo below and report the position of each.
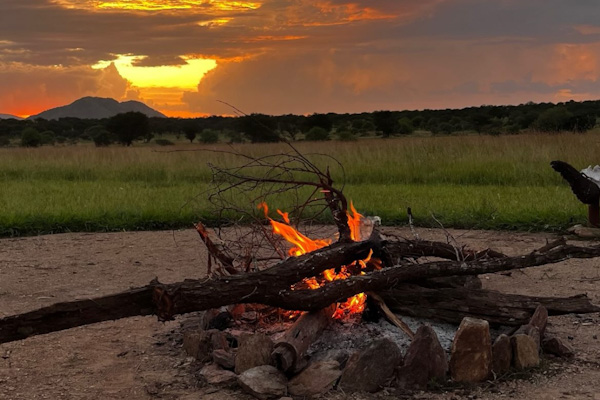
(141, 358)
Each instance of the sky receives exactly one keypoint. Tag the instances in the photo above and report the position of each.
(186, 57)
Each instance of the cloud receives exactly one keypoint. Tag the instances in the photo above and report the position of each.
(301, 56)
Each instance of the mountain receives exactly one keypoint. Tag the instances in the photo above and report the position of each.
(96, 108)
(8, 116)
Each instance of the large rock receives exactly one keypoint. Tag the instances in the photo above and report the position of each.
(264, 382)
(501, 355)
(555, 346)
(318, 378)
(531, 331)
(425, 360)
(197, 344)
(370, 369)
(215, 375)
(224, 358)
(539, 319)
(525, 351)
(471, 354)
(253, 351)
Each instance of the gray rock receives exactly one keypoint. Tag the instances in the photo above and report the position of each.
(471, 353)
(425, 360)
(539, 319)
(215, 375)
(525, 352)
(555, 346)
(318, 378)
(264, 382)
(224, 358)
(501, 355)
(370, 369)
(253, 351)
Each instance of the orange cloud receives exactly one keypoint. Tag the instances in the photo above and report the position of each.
(160, 5)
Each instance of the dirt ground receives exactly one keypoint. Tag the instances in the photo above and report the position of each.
(141, 358)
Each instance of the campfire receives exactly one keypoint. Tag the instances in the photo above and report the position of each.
(301, 290)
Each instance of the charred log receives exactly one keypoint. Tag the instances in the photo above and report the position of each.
(453, 304)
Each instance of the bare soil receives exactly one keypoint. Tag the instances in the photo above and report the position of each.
(141, 358)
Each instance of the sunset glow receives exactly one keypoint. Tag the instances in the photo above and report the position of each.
(184, 76)
(300, 57)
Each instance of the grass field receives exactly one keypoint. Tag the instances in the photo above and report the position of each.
(487, 182)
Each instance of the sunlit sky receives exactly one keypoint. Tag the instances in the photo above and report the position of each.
(297, 56)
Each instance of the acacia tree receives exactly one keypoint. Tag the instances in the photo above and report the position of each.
(129, 126)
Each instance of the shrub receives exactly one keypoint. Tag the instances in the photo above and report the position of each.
(103, 138)
(30, 137)
(317, 133)
(163, 142)
(209, 136)
(4, 141)
(405, 126)
(48, 137)
(346, 136)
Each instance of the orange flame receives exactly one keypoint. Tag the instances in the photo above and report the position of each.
(303, 244)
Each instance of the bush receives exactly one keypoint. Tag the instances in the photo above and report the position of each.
(346, 136)
(4, 141)
(209, 136)
(103, 138)
(405, 126)
(48, 137)
(317, 133)
(30, 137)
(163, 142)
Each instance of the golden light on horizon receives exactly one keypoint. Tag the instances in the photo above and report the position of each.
(205, 6)
(186, 76)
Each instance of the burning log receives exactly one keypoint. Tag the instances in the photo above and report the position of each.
(292, 347)
(270, 287)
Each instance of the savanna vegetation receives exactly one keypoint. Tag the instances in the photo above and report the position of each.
(469, 181)
(130, 127)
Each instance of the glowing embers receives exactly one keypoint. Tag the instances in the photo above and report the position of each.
(302, 244)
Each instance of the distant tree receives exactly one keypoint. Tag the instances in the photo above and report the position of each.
(346, 135)
(4, 141)
(554, 119)
(418, 121)
(319, 120)
(363, 126)
(190, 129)
(258, 128)
(48, 137)
(234, 136)
(129, 126)
(163, 142)
(405, 126)
(100, 136)
(385, 122)
(30, 137)
(317, 133)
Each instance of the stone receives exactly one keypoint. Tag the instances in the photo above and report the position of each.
(425, 360)
(525, 352)
(471, 352)
(218, 340)
(264, 382)
(532, 332)
(555, 346)
(197, 344)
(539, 319)
(253, 351)
(224, 358)
(501, 355)
(215, 375)
(584, 231)
(317, 378)
(371, 368)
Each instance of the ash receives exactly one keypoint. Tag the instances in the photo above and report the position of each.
(350, 336)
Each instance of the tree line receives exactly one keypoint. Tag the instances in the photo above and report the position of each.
(256, 128)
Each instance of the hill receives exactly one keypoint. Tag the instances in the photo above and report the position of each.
(9, 116)
(96, 108)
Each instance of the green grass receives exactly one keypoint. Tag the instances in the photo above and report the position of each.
(465, 181)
